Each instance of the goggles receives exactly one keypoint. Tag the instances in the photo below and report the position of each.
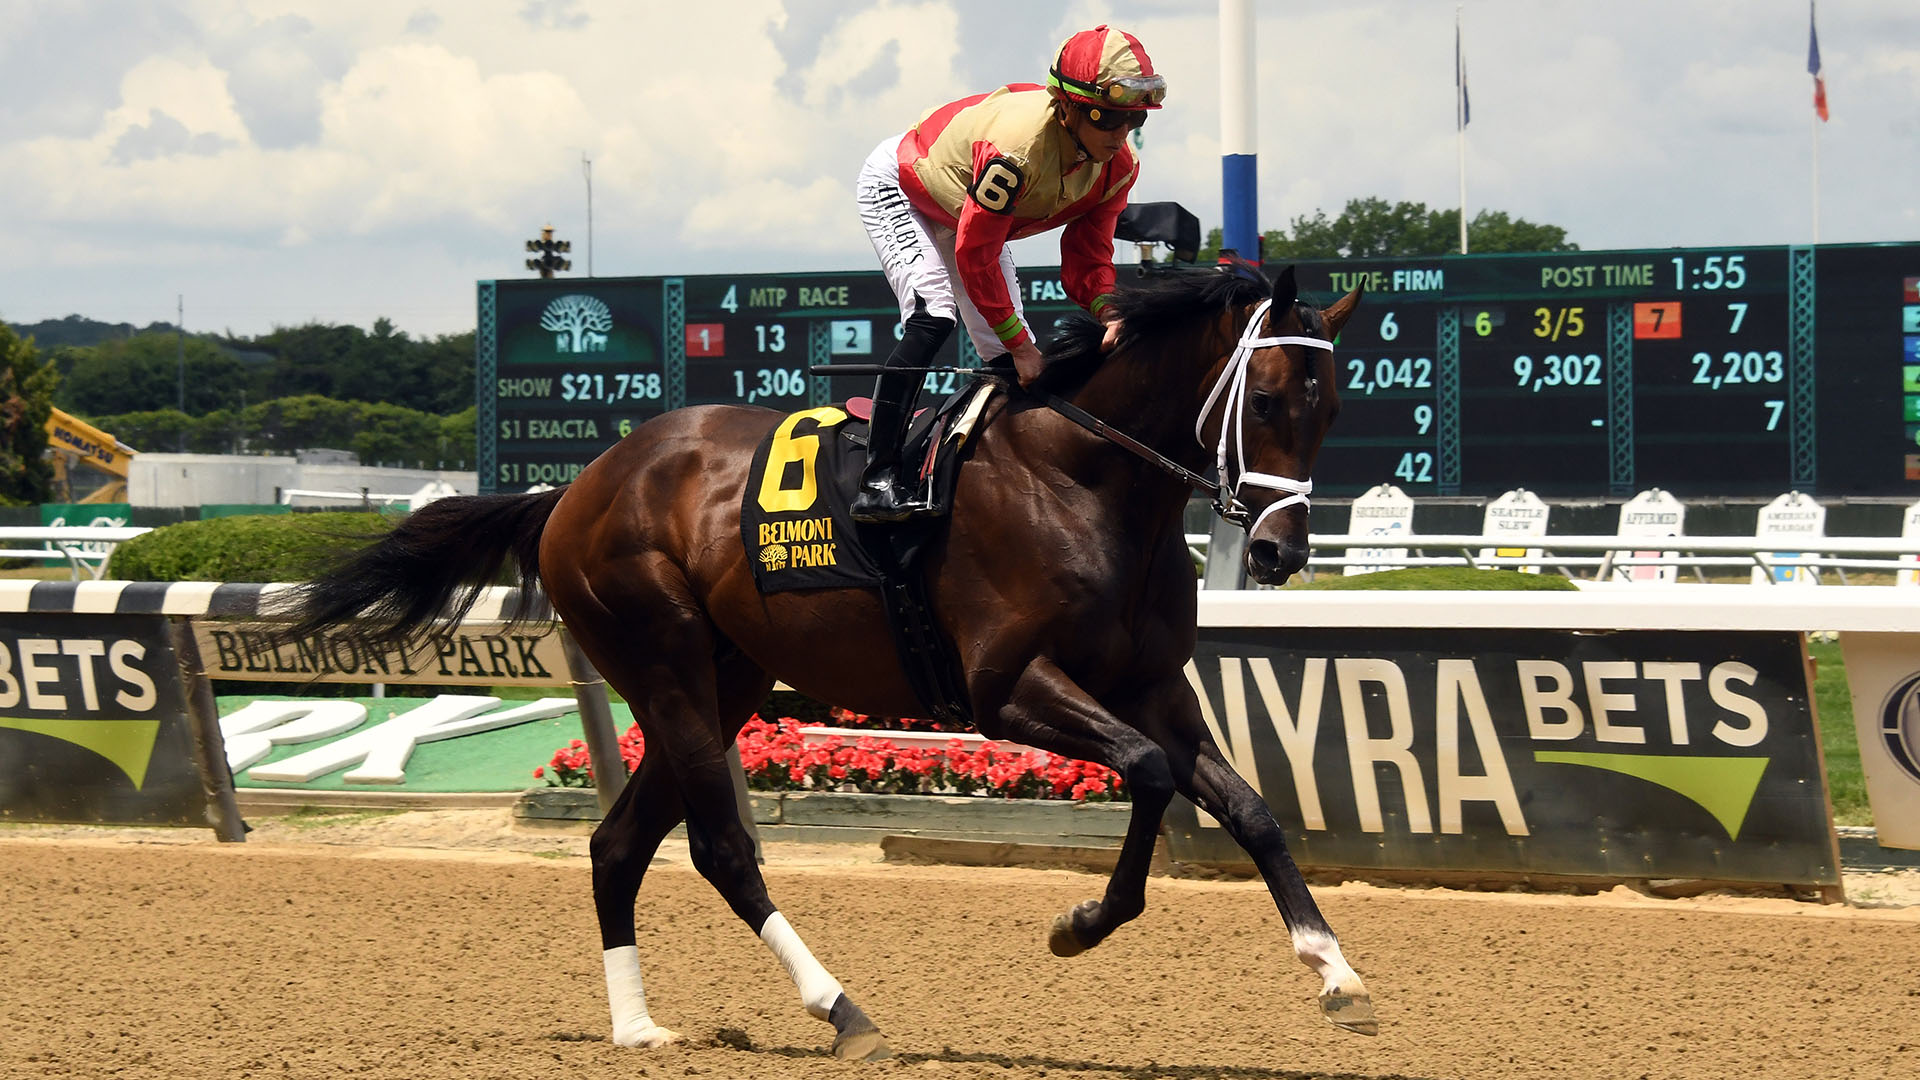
(1136, 91)
(1129, 92)
(1115, 119)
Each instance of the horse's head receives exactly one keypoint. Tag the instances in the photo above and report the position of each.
(1266, 417)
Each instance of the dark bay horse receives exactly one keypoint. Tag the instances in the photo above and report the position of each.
(1063, 582)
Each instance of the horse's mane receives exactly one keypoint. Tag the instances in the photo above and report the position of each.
(1168, 301)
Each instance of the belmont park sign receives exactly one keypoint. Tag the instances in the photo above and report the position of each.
(471, 655)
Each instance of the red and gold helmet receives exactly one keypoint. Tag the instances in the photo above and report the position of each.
(1107, 68)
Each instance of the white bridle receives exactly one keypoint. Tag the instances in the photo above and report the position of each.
(1233, 380)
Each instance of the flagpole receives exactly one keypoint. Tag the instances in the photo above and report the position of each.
(1816, 69)
(1460, 123)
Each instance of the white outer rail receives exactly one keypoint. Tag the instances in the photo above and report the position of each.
(1634, 607)
(64, 542)
(1705, 545)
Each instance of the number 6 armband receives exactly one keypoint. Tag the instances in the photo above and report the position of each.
(997, 185)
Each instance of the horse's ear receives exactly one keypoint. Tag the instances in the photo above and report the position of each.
(1285, 292)
(1336, 315)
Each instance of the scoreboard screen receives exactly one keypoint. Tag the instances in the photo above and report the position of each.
(1707, 372)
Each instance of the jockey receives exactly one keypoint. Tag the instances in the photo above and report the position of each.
(941, 201)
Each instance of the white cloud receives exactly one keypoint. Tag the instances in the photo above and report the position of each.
(191, 92)
(255, 150)
(777, 215)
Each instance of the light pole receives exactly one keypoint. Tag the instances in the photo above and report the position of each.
(549, 250)
(180, 363)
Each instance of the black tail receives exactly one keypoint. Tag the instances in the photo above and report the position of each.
(429, 569)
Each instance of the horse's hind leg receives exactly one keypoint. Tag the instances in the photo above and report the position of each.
(622, 846)
(1202, 774)
(723, 852)
(676, 689)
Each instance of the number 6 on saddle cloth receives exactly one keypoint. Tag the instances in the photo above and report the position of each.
(799, 533)
(794, 520)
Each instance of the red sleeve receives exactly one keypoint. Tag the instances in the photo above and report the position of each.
(976, 251)
(1086, 249)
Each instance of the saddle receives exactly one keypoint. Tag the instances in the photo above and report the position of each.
(795, 523)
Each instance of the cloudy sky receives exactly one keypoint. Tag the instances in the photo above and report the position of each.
(278, 161)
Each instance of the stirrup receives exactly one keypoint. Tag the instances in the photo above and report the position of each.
(881, 510)
(886, 505)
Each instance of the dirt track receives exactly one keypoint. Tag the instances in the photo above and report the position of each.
(298, 958)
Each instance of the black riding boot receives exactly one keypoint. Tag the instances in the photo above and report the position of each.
(884, 496)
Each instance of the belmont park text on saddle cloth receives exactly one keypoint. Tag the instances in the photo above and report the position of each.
(794, 518)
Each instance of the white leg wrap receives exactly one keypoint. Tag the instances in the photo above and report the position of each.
(818, 990)
(1322, 953)
(627, 999)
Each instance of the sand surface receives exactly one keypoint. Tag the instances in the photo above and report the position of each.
(452, 944)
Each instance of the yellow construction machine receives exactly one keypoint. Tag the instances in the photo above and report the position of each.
(74, 442)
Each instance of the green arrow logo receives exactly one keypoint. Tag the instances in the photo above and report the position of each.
(1722, 787)
(128, 744)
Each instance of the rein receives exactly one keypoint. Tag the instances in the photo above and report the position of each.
(1128, 443)
(1233, 380)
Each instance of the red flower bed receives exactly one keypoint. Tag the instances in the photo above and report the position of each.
(777, 758)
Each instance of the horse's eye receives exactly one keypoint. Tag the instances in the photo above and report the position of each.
(1260, 401)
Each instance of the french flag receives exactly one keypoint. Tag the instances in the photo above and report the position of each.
(1813, 64)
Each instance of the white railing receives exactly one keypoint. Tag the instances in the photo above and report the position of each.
(86, 548)
(1604, 554)
(1862, 610)
(1601, 556)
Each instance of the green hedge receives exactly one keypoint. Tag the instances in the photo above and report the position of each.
(1444, 577)
(254, 548)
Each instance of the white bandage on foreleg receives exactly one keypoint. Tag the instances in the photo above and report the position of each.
(626, 997)
(818, 990)
(1321, 952)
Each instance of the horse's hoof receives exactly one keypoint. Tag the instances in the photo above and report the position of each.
(868, 1045)
(645, 1038)
(1062, 939)
(855, 1037)
(1349, 1009)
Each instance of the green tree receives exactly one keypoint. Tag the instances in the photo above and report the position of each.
(27, 384)
(381, 433)
(391, 434)
(143, 372)
(1374, 228)
(303, 422)
(306, 358)
(458, 447)
(382, 366)
(447, 366)
(163, 430)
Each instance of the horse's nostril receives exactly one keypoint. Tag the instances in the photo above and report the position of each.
(1264, 553)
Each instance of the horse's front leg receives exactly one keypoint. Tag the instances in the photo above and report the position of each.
(1048, 710)
(1202, 774)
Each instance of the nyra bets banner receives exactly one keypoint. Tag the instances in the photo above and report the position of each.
(1630, 754)
(93, 725)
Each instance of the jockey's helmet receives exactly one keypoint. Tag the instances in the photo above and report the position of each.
(1104, 68)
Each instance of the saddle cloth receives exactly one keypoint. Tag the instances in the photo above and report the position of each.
(794, 518)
